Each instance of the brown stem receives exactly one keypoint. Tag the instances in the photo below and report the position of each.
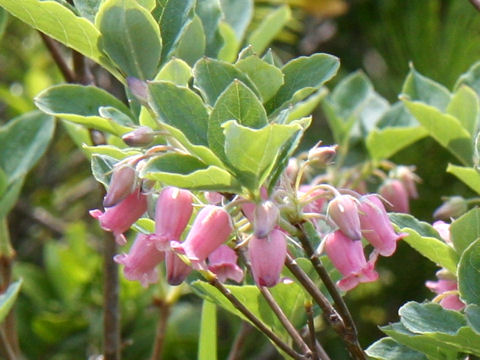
(237, 346)
(475, 3)
(164, 309)
(52, 47)
(250, 316)
(311, 330)
(81, 70)
(6, 347)
(285, 322)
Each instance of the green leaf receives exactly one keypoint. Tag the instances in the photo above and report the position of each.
(420, 88)
(212, 77)
(87, 8)
(468, 175)
(207, 345)
(239, 103)
(210, 14)
(79, 134)
(176, 71)
(188, 172)
(306, 107)
(81, 105)
(3, 182)
(9, 197)
(445, 129)
(267, 78)
(469, 274)
(102, 166)
(269, 28)
(425, 239)
(23, 141)
(253, 152)
(63, 25)
(464, 106)
(230, 47)
(384, 143)
(191, 45)
(3, 21)
(470, 78)
(7, 299)
(238, 14)
(181, 108)
(465, 230)
(174, 17)
(130, 37)
(389, 349)
(302, 76)
(110, 150)
(472, 313)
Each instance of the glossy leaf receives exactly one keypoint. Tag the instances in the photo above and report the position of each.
(445, 129)
(465, 230)
(302, 76)
(130, 37)
(230, 47)
(470, 78)
(238, 14)
(238, 103)
(87, 8)
(424, 239)
(468, 175)
(207, 345)
(469, 274)
(110, 150)
(23, 141)
(58, 101)
(180, 107)
(464, 106)
(210, 14)
(472, 313)
(212, 77)
(102, 166)
(176, 71)
(306, 107)
(389, 349)
(268, 29)
(7, 299)
(191, 45)
(384, 143)
(267, 78)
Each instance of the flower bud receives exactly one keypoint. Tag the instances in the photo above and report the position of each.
(409, 180)
(138, 88)
(315, 198)
(267, 256)
(223, 263)
(349, 259)
(376, 226)
(120, 217)
(322, 155)
(292, 169)
(344, 212)
(443, 230)
(122, 184)
(265, 218)
(454, 207)
(395, 193)
(213, 197)
(177, 270)
(140, 263)
(141, 136)
(441, 286)
(172, 214)
(211, 228)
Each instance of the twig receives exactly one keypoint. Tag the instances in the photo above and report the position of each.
(311, 330)
(475, 3)
(161, 330)
(5, 345)
(52, 47)
(237, 346)
(250, 316)
(80, 69)
(43, 217)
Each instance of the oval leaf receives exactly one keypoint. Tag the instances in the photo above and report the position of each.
(469, 274)
(8, 298)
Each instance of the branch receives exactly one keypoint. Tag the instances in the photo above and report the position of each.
(245, 329)
(52, 47)
(164, 308)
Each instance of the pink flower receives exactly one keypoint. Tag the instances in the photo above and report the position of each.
(444, 230)
(177, 270)
(172, 214)
(213, 197)
(223, 263)
(409, 180)
(267, 256)
(344, 212)
(140, 263)
(376, 226)
(211, 228)
(141, 136)
(265, 218)
(122, 184)
(120, 217)
(314, 198)
(451, 301)
(396, 194)
(348, 257)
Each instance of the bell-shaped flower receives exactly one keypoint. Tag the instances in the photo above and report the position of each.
(265, 218)
(211, 228)
(141, 136)
(343, 211)
(267, 256)
(213, 197)
(141, 261)
(376, 226)
(396, 194)
(409, 180)
(441, 287)
(223, 263)
(177, 270)
(172, 214)
(349, 259)
(120, 217)
(443, 230)
(122, 184)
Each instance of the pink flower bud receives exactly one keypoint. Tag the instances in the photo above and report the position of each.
(267, 256)
(348, 257)
(141, 136)
(292, 169)
(265, 218)
(409, 180)
(454, 207)
(344, 212)
(451, 301)
(395, 193)
(444, 230)
(376, 226)
(213, 197)
(177, 270)
(140, 263)
(122, 184)
(172, 214)
(223, 263)
(120, 217)
(322, 155)
(315, 200)
(211, 228)
(138, 88)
